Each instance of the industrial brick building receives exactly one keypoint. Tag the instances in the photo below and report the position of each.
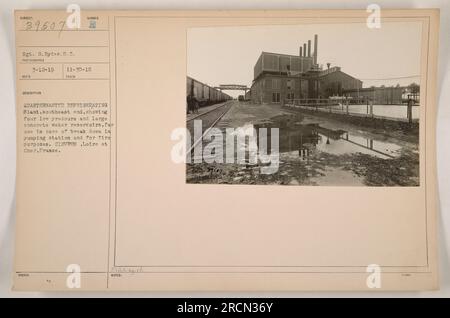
(280, 77)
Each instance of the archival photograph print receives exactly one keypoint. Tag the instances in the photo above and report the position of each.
(308, 104)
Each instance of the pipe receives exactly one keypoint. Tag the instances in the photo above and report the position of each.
(309, 48)
(304, 49)
(300, 51)
(316, 40)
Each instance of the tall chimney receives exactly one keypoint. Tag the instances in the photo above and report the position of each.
(304, 49)
(300, 52)
(316, 40)
(309, 48)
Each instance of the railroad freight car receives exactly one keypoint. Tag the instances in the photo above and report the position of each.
(204, 94)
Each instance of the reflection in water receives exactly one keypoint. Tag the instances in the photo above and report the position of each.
(302, 140)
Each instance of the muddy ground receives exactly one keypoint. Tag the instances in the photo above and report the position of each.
(366, 170)
(323, 156)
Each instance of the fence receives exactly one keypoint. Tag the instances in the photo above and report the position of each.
(343, 107)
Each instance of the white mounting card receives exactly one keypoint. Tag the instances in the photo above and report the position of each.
(226, 150)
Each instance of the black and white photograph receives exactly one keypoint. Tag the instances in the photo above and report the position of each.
(310, 104)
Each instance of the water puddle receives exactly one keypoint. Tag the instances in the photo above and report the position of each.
(303, 140)
(310, 154)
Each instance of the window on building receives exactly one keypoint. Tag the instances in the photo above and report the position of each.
(290, 84)
(290, 96)
(275, 97)
(276, 83)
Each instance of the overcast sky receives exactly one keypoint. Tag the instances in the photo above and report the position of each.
(224, 55)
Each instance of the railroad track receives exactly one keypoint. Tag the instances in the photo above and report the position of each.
(209, 120)
(211, 110)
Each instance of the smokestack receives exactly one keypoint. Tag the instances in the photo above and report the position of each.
(309, 48)
(316, 40)
(300, 51)
(304, 49)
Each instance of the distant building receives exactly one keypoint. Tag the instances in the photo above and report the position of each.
(384, 95)
(281, 77)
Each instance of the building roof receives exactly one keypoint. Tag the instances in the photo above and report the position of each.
(290, 55)
(335, 70)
